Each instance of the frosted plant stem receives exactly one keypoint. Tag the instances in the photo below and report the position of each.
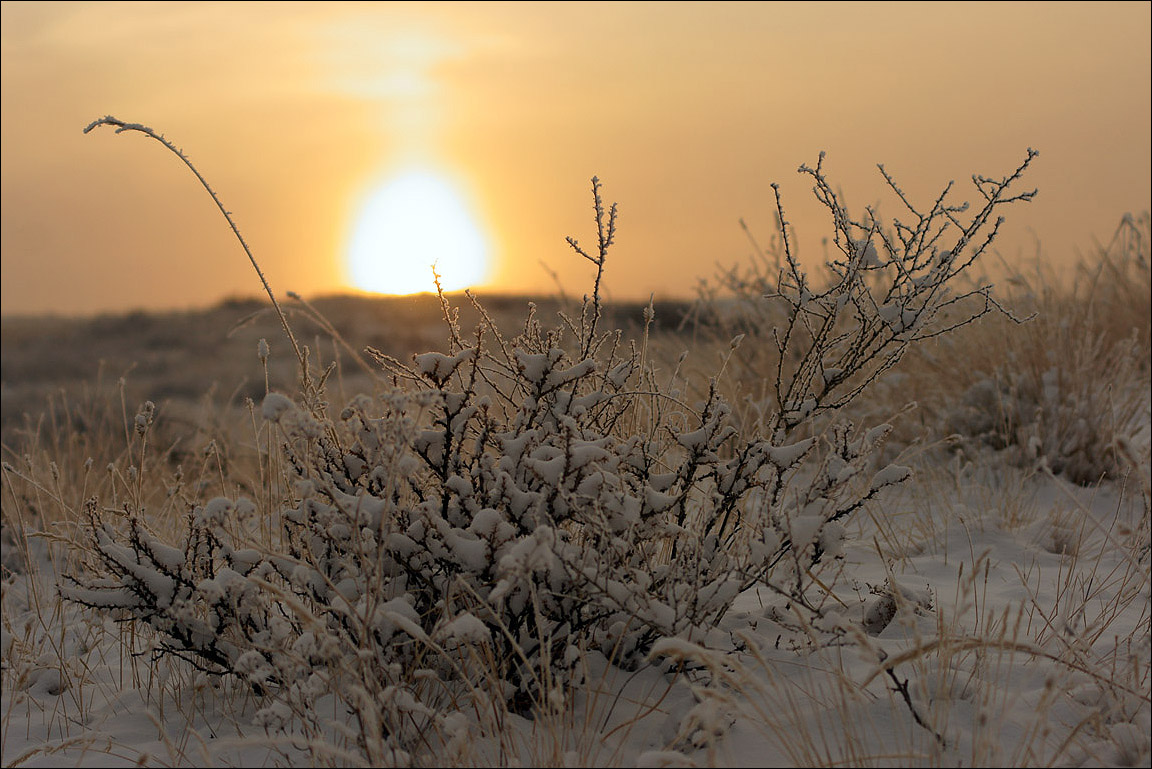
(120, 127)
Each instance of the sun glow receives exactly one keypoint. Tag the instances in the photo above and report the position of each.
(409, 225)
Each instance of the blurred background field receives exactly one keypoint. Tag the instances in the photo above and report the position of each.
(179, 358)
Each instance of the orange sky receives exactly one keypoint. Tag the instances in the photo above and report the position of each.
(687, 112)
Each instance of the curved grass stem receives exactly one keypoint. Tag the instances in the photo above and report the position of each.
(121, 126)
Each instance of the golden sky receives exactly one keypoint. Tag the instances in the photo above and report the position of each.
(688, 112)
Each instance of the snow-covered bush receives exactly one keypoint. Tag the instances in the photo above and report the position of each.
(503, 508)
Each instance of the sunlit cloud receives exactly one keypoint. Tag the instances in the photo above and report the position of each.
(394, 65)
(375, 63)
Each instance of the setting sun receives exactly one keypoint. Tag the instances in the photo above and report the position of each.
(409, 225)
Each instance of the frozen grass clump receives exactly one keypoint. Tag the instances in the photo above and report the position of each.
(1069, 392)
(1066, 392)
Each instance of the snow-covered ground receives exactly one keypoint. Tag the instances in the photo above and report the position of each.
(1007, 623)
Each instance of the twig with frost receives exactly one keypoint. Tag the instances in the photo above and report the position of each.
(886, 292)
(605, 236)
